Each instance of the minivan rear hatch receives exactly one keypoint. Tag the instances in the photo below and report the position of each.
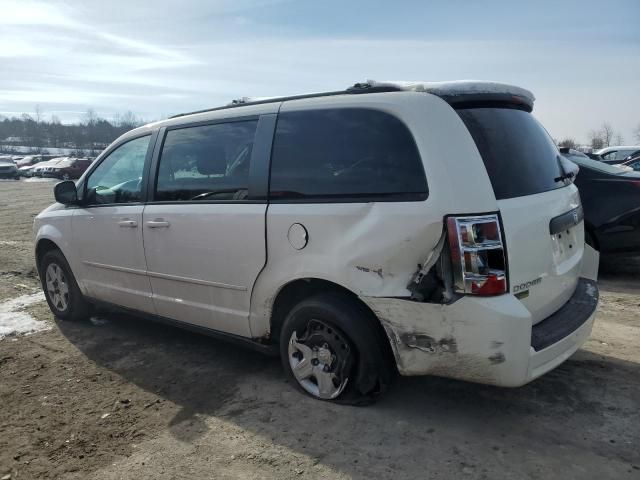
(539, 207)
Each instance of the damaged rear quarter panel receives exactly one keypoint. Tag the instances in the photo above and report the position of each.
(482, 340)
(374, 248)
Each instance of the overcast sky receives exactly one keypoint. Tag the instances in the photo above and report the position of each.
(156, 58)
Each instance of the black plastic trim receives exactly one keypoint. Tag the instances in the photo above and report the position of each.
(265, 348)
(566, 221)
(261, 158)
(488, 100)
(571, 316)
(368, 198)
(356, 89)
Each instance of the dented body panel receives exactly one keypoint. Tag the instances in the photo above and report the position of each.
(485, 340)
(478, 340)
(374, 248)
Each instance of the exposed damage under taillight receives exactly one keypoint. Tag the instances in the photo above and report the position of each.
(433, 282)
(468, 259)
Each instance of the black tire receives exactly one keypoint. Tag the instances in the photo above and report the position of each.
(77, 308)
(366, 361)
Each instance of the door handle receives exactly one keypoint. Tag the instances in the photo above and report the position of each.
(158, 223)
(128, 223)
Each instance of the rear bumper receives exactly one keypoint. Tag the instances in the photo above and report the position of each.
(485, 339)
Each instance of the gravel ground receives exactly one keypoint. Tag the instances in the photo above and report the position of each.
(119, 397)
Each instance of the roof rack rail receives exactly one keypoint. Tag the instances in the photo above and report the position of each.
(358, 88)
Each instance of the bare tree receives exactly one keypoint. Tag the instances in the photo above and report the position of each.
(38, 116)
(568, 143)
(129, 120)
(90, 117)
(606, 133)
(636, 133)
(619, 139)
(596, 140)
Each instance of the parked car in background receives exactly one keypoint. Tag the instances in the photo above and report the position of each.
(38, 169)
(27, 170)
(67, 169)
(421, 228)
(633, 163)
(614, 155)
(33, 159)
(611, 201)
(8, 169)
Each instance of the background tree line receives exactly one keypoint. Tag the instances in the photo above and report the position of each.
(91, 133)
(605, 136)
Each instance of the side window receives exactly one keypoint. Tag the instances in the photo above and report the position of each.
(118, 178)
(346, 153)
(208, 162)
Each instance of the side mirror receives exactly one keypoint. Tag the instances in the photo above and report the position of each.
(66, 193)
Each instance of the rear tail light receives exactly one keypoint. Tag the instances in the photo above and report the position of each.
(477, 254)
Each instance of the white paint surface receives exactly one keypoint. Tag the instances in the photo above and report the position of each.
(13, 318)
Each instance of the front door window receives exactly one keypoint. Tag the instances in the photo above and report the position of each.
(118, 178)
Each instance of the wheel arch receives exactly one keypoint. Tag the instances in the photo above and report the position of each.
(299, 289)
(43, 246)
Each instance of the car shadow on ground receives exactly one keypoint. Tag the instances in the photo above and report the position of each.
(588, 405)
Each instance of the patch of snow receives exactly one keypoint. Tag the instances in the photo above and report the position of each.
(243, 100)
(457, 87)
(568, 166)
(11, 243)
(13, 320)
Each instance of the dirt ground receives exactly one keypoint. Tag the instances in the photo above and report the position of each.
(120, 397)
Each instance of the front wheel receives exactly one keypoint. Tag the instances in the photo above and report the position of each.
(61, 289)
(332, 350)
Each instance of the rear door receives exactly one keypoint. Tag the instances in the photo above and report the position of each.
(204, 228)
(541, 212)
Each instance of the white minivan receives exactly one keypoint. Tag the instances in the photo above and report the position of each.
(412, 228)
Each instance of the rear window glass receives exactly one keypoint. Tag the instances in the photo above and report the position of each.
(520, 157)
(349, 153)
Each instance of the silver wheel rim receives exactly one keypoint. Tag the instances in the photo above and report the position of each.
(57, 287)
(318, 365)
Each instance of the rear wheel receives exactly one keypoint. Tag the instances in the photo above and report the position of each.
(331, 350)
(60, 288)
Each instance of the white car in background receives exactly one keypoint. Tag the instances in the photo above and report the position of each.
(38, 169)
(618, 154)
(419, 228)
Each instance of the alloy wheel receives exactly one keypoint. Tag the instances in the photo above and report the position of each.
(57, 287)
(320, 360)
